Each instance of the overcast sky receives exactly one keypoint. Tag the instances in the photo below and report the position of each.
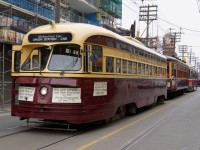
(172, 14)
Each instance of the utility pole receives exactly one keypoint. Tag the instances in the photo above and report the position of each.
(174, 37)
(196, 59)
(183, 49)
(191, 56)
(198, 67)
(148, 14)
(57, 11)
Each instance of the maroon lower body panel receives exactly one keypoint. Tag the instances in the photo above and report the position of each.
(81, 100)
(177, 85)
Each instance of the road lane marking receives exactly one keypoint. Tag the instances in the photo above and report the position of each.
(122, 128)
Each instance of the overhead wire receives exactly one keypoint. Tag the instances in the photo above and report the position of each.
(132, 10)
(130, 7)
(178, 26)
(192, 30)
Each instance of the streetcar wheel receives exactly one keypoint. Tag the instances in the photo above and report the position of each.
(161, 100)
(131, 108)
(107, 121)
(122, 111)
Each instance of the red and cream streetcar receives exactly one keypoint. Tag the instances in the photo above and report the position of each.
(193, 79)
(80, 73)
(178, 74)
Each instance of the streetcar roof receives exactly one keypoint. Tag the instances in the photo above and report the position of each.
(192, 67)
(80, 32)
(174, 58)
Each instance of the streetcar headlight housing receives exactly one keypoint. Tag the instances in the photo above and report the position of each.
(43, 90)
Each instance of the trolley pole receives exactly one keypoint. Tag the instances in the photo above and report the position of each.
(57, 11)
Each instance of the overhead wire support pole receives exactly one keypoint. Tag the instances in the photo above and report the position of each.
(183, 49)
(148, 14)
(196, 59)
(191, 56)
(177, 37)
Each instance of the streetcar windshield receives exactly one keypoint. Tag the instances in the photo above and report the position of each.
(37, 60)
(65, 58)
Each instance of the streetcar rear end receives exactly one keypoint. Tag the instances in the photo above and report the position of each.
(178, 74)
(193, 79)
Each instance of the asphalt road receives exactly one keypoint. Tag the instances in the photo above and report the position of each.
(174, 125)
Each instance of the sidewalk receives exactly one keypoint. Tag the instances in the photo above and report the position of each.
(5, 109)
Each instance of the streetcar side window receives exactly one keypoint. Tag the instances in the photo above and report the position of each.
(150, 70)
(130, 67)
(139, 68)
(118, 65)
(134, 67)
(124, 66)
(147, 69)
(155, 71)
(158, 71)
(165, 72)
(110, 42)
(97, 64)
(174, 70)
(143, 69)
(117, 45)
(109, 64)
(17, 59)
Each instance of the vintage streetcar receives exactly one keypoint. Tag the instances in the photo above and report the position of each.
(80, 73)
(178, 75)
(193, 79)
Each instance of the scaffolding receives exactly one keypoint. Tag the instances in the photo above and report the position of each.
(2, 80)
(113, 7)
(5, 78)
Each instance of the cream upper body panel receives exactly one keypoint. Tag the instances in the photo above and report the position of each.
(80, 32)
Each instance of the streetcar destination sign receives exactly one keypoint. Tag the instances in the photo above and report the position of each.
(50, 37)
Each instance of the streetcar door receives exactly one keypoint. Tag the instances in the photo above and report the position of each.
(86, 55)
(16, 57)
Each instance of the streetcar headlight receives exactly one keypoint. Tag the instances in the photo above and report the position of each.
(43, 90)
